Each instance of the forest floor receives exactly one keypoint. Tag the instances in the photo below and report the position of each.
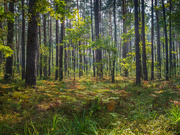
(90, 106)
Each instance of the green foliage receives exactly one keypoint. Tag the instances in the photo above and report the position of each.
(80, 27)
(128, 63)
(127, 36)
(6, 50)
(103, 43)
(9, 16)
(44, 50)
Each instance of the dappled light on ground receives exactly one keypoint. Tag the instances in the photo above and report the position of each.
(120, 107)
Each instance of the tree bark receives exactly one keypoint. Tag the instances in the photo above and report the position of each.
(1, 55)
(45, 45)
(166, 41)
(145, 74)
(32, 46)
(57, 44)
(50, 46)
(80, 61)
(23, 41)
(124, 31)
(138, 68)
(152, 42)
(115, 41)
(99, 52)
(170, 42)
(40, 47)
(61, 51)
(158, 42)
(94, 73)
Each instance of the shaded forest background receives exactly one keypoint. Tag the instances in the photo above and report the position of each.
(103, 38)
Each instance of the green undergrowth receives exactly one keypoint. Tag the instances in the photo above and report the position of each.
(90, 105)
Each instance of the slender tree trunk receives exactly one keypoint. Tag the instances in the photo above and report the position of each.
(1, 55)
(32, 46)
(138, 68)
(45, 45)
(140, 35)
(110, 40)
(80, 61)
(170, 41)
(57, 44)
(17, 44)
(124, 31)
(74, 60)
(40, 47)
(66, 54)
(50, 46)
(94, 73)
(166, 41)
(99, 52)
(115, 41)
(173, 59)
(145, 74)
(19, 47)
(152, 42)
(65, 59)
(158, 42)
(69, 52)
(61, 51)
(9, 60)
(179, 50)
(38, 50)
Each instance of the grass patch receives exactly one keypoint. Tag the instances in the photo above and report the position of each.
(90, 106)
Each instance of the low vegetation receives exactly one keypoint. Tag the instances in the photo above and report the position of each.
(90, 106)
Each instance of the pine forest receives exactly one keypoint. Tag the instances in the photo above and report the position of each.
(89, 67)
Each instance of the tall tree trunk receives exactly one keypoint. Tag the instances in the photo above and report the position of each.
(74, 60)
(99, 52)
(17, 43)
(158, 42)
(152, 42)
(1, 55)
(94, 73)
(138, 68)
(61, 51)
(166, 41)
(38, 50)
(170, 41)
(173, 59)
(145, 74)
(66, 53)
(115, 41)
(124, 31)
(57, 44)
(9, 60)
(69, 52)
(65, 59)
(80, 61)
(50, 46)
(40, 47)
(110, 40)
(32, 46)
(45, 45)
